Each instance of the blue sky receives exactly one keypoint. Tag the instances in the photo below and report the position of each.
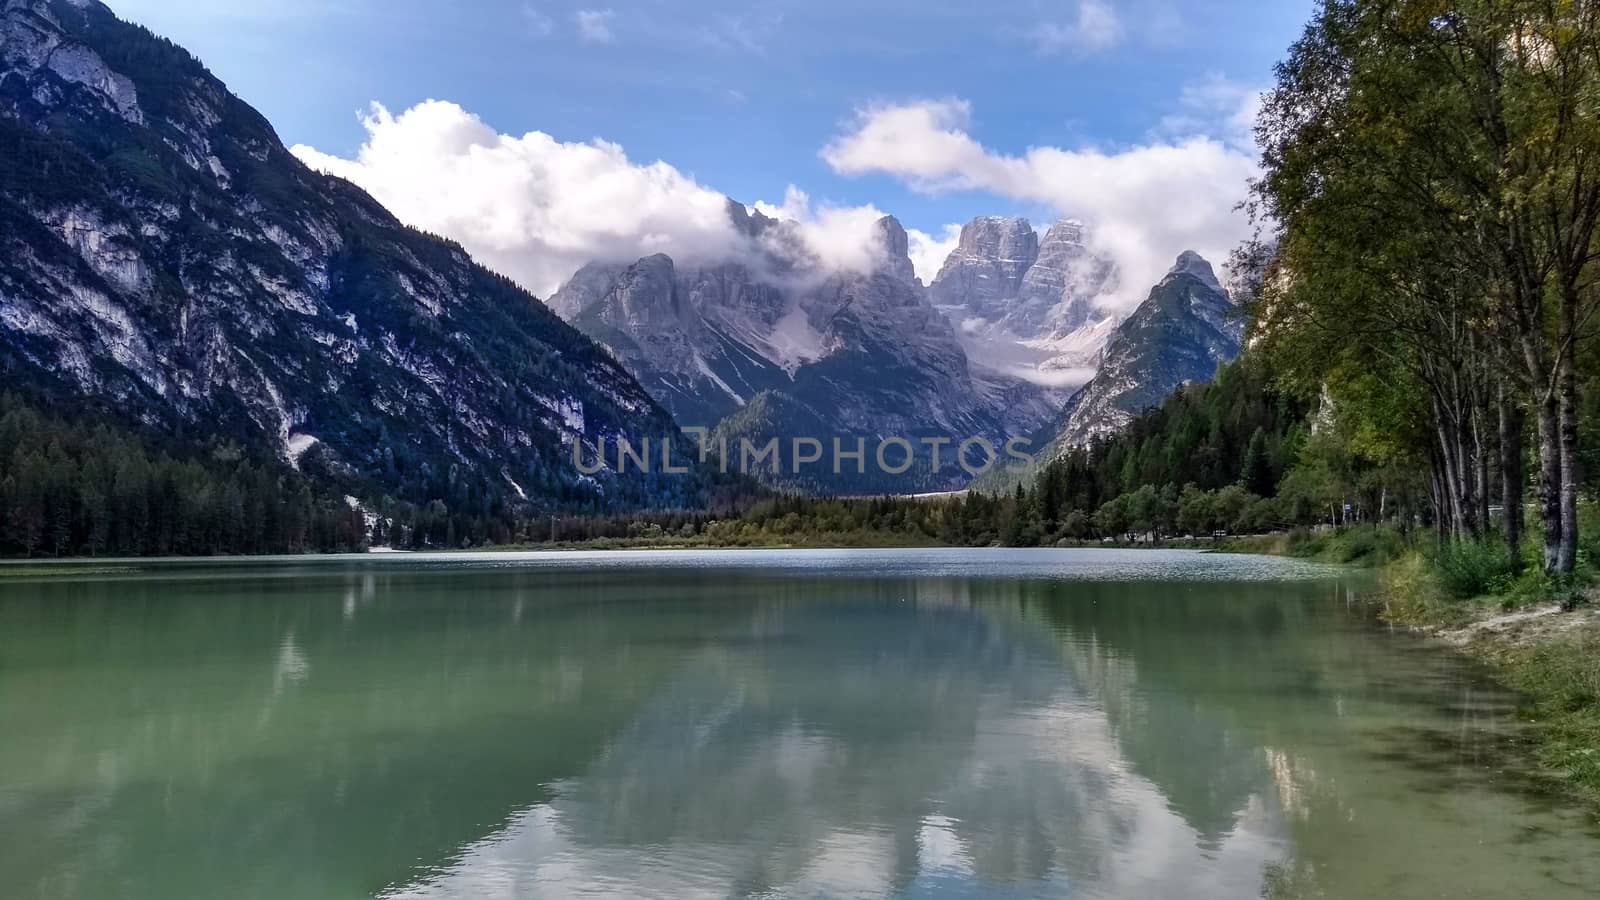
(744, 97)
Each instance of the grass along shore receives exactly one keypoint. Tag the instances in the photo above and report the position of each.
(1538, 637)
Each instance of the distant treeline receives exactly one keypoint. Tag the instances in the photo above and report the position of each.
(83, 483)
(86, 487)
(76, 481)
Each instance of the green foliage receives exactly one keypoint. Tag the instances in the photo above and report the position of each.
(1200, 435)
(1371, 545)
(1365, 545)
(1469, 569)
(89, 488)
(1257, 475)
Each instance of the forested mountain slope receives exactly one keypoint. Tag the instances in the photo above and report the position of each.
(164, 257)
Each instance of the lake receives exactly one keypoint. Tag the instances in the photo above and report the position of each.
(989, 723)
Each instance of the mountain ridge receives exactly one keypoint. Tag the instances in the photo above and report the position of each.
(1184, 330)
(168, 257)
(864, 352)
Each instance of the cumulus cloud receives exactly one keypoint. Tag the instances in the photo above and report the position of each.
(843, 238)
(536, 209)
(1144, 204)
(530, 207)
(594, 25)
(1095, 28)
(928, 253)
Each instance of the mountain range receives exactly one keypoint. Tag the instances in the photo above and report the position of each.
(167, 260)
(1014, 338)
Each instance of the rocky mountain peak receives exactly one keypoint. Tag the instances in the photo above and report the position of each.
(1059, 292)
(985, 272)
(1180, 334)
(1194, 265)
(645, 295)
(1069, 232)
(1024, 305)
(1008, 241)
(656, 266)
(750, 223)
(897, 247)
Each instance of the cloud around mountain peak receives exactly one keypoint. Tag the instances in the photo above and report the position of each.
(1143, 204)
(537, 209)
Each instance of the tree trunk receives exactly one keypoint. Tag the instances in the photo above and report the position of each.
(1549, 425)
(1449, 505)
(1480, 459)
(1440, 503)
(1567, 556)
(1511, 477)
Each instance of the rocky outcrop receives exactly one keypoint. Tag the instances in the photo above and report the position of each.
(984, 275)
(1029, 309)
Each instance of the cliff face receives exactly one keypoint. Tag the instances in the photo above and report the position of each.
(985, 273)
(1027, 307)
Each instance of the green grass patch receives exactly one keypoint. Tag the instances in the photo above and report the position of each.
(1561, 678)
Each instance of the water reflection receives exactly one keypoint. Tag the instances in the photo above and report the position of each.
(429, 732)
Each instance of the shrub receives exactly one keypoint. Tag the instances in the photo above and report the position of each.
(1470, 569)
(1368, 544)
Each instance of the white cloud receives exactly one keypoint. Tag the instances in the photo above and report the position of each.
(1144, 204)
(536, 209)
(1096, 28)
(530, 207)
(538, 23)
(1217, 107)
(843, 238)
(594, 25)
(738, 33)
(928, 253)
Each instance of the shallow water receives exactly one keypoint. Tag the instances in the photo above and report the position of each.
(1101, 724)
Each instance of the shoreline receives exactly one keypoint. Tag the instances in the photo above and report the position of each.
(22, 567)
(1551, 657)
(607, 545)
